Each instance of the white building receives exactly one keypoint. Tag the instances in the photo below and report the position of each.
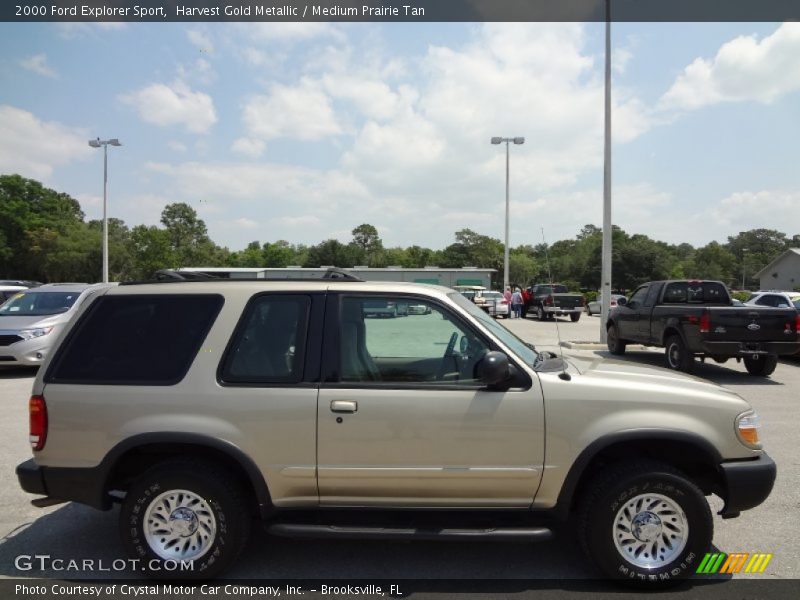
(783, 273)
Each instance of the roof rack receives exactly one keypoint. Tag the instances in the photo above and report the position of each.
(173, 276)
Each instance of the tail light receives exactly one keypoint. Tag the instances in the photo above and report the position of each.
(705, 322)
(797, 323)
(613, 303)
(38, 420)
(503, 301)
(549, 301)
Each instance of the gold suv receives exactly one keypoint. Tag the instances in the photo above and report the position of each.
(200, 405)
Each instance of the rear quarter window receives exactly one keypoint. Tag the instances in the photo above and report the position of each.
(136, 340)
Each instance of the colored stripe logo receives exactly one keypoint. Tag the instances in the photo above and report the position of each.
(738, 562)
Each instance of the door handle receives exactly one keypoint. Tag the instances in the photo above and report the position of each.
(344, 406)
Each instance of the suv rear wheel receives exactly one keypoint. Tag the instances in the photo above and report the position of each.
(645, 522)
(185, 510)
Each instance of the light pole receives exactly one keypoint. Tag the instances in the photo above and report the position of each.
(744, 258)
(97, 144)
(518, 141)
(606, 256)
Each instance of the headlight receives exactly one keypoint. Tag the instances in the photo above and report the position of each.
(29, 334)
(747, 426)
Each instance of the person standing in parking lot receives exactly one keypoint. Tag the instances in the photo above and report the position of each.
(516, 303)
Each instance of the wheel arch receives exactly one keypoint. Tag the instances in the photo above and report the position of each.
(690, 453)
(134, 455)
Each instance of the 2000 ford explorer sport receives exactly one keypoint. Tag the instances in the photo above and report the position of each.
(203, 405)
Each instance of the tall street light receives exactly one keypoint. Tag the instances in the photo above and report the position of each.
(744, 263)
(605, 268)
(518, 141)
(105, 144)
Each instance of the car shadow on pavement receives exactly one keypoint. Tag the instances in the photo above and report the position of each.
(90, 538)
(717, 373)
(17, 372)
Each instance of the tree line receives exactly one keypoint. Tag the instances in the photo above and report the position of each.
(45, 236)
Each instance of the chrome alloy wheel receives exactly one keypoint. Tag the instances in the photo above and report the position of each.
(179, 524)
(650, 530)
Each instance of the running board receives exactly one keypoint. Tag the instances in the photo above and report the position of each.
(498, 534)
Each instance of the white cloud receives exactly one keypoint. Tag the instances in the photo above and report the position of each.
(34, 148)
(74, 30)
(246, 223)
(744, 69)
(38, 64)
(776, 209)
(201, 39)
(248, 147)
(200, 71)
(288, 32)
(305, 113)
(174, 104)
(176, 146)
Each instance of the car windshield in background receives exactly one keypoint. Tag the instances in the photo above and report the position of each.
(38, 303)
(520, 348)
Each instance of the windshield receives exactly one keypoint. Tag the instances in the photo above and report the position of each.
(520, 348)
(31, 304)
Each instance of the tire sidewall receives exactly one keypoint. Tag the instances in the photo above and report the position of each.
(600, 541)
(229, 524)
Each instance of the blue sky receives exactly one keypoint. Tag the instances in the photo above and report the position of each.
(301, 131)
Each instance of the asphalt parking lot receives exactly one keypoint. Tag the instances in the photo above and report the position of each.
(73, 531)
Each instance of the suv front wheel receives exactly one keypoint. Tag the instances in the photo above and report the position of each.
(184, 512)
(645, 522)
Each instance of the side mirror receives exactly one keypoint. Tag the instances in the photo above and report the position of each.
(622, 301)
(493, 368)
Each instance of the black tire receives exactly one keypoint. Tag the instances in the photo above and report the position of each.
(575, 317)
(222, 497)
(678, 358)
(615, 344)
(763, 367)
(682, 531)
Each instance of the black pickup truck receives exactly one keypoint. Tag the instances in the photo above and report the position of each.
(697, 319)
(552, 300)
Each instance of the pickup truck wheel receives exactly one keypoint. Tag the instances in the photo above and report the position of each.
(645, 522)
(615, 345)
(678, 358)
(763, 366)
(575, 317)
(185, 510)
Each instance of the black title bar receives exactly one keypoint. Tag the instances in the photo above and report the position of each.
(398, 10)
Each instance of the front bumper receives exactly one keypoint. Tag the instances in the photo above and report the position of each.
(26, 352)
(746, 483)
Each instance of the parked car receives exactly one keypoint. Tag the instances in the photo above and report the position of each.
(419, 309)
(593, 307)
(697, 319)
(380, 308)
(553, 300)
(31, 321)
(497, 304)
(775, 298)
(8, 291)
(201, 405)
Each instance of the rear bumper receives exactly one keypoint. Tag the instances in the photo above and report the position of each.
(76, 485)
(563, 311)
(750, 348)
(747, 483)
